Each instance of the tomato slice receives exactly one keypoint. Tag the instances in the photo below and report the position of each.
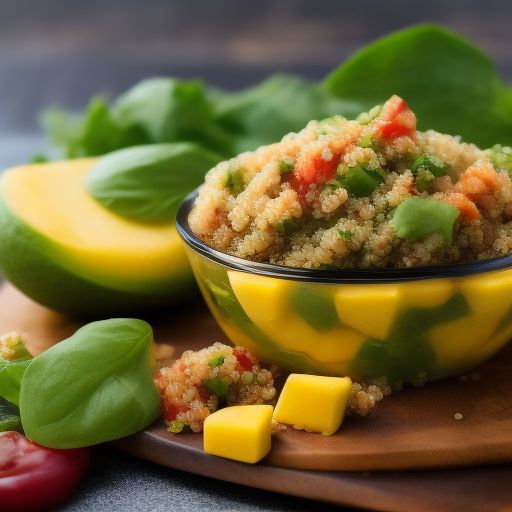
(36, 478)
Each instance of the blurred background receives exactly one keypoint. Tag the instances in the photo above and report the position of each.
(61, 52)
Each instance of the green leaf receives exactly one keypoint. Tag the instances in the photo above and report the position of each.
(171, 110)
(147, 183)
(417, 217)
(452, 86)
(92, 387)
(266, 113)
(9, 416)
(11, 375)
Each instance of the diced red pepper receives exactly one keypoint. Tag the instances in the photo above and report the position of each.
(311, 169)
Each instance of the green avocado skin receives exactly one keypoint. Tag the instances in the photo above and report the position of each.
(26, 262)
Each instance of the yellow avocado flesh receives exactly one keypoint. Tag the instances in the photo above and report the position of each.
(85, 237)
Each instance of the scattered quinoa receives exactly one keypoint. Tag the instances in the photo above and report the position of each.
(200, 382)
(341, 194)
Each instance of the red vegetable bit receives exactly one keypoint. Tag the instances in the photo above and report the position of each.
(313, 169)
(246, 360)
(172, 409)
(36, 478)
(466, 207)
(396, 119)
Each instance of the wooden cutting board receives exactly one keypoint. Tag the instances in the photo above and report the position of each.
(410, 430)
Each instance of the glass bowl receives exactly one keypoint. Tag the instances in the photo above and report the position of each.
(410, 325)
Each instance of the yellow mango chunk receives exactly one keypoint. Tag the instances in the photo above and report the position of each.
(426, 294)
(314, 402)
(337, 345)
(264, 299)
(455, 339)
(240, 432)
(370, 309)
(489, 293)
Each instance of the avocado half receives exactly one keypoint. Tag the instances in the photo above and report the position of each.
(64, 250)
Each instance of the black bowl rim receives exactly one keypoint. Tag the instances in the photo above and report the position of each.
(331, 276)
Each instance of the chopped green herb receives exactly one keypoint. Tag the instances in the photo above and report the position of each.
(218, 361)
(285, 167)
(234, 181)
(216, 386)
(287, 227)
(346, 235)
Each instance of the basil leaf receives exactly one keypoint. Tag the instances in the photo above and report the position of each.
(418, 217)
(92, 387)
(452, 86)
(9, 416)
(147, 183)
(266, 113)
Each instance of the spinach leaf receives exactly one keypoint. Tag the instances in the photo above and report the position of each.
(452, 86)
(266, 113)
(92, 387)
(170, 110)
(147, 183)
(9, 416)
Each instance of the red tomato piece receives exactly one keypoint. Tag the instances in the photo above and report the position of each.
(245, 359)
(313, 169)
(399, 120)
(36, 478)
(172, 409)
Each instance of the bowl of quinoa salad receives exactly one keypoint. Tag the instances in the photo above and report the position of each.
(363, 248)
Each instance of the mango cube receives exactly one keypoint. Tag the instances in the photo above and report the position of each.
(240, 432)
(314, 402)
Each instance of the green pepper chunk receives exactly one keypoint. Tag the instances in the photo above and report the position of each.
(501, 158)
(284, 167)
(287, 227)
(360, 181)
(234, 181)
(218, 361)
(418, 217)
(431, 162)
(216, 386)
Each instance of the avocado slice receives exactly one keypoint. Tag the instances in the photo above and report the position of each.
(67, 252)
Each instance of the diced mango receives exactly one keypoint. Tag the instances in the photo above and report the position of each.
(455, 339)
(426, 294)
(337, 345)
(489, 293)
(240, 432)
(314, 402)
(370, 309)
(263, 298)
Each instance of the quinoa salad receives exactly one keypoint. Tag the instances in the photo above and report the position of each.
(368, 193)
